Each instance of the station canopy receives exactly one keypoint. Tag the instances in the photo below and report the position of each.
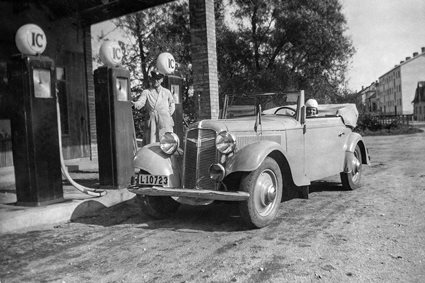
(91, 11)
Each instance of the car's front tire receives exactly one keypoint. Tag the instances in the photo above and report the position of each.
(264, 186)
(352, 180)
(158, 207)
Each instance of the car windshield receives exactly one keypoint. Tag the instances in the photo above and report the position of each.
(271, 103)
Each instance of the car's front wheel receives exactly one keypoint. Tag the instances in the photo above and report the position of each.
(264, 186)
(351, 180)
(158, 207)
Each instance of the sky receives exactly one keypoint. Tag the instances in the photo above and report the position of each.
(383, 32)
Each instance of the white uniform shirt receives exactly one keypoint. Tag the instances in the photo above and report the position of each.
(160, 106)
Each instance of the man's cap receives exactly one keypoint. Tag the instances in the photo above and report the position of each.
(156, 75)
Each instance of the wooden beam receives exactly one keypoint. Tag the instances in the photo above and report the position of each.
(116, 8)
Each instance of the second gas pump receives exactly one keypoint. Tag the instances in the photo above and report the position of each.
(114, 119)
(166, 65)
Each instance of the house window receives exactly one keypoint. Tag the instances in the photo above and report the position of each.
(63, 99)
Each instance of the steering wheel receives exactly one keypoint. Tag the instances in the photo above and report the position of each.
(288, 111)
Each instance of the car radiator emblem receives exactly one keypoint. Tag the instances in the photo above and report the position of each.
(200, 141)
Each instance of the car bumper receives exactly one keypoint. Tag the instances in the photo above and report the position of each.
(180, 192)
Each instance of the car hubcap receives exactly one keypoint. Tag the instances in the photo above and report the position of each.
(270, 195)
(265, 192)
(356, 167)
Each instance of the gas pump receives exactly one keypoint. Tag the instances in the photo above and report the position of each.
(114, 119)
(166, 64)
(175, 85)
(31, 106)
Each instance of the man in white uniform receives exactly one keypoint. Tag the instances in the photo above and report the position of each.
(160, 105)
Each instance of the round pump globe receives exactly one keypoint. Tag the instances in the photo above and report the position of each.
(110, 53)
(165, 63)
(30, 39)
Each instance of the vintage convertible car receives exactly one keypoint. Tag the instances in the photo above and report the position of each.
(268, 152)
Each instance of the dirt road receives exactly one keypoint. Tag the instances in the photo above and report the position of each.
(375, 233)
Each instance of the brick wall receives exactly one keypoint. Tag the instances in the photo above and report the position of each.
(204, 57)
(90, 93)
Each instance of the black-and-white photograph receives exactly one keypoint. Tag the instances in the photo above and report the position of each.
(212, 141)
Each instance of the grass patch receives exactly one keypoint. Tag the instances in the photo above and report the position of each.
(405, 130)
(369, 125)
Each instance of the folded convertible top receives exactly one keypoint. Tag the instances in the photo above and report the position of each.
(348, 112)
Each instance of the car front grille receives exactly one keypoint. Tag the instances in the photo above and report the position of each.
(200, 152)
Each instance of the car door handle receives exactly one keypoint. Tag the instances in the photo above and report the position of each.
(341, 134)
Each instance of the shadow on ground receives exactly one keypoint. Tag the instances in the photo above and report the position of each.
(325, 186)
(218, 216)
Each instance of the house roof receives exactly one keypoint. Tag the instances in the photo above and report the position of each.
(371, 95)
(420, 92)
(402, 64)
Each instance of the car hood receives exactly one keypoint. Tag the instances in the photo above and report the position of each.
(244, 124)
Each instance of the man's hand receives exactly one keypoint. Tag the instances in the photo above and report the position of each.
(137, 104)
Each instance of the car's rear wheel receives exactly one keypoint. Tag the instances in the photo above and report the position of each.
(264, 186)
(352, 180)
(158, 207)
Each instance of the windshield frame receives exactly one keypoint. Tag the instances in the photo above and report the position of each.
(246, 109)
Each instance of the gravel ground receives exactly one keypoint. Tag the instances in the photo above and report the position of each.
(374, 234)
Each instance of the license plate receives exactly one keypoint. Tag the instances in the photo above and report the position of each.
(150, 180)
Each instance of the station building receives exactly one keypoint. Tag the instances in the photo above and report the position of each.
(66, 25)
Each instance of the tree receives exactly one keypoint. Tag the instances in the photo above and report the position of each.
(285, 44)
(163, 28)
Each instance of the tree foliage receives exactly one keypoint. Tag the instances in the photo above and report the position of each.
(151, 32)
(285, 44)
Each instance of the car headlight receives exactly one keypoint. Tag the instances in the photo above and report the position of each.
(169, 143)
(225, 142)
(217, 172)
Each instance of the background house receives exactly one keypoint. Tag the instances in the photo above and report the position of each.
(419, 102)
(397, 86)
(367, 99)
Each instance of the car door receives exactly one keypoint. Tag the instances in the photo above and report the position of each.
(295, 151)
(324, 146)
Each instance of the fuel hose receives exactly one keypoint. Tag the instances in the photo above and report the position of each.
(81, 188)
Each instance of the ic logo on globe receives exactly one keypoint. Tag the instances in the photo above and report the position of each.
(117, 54)
(111, 53)
(30, 39)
